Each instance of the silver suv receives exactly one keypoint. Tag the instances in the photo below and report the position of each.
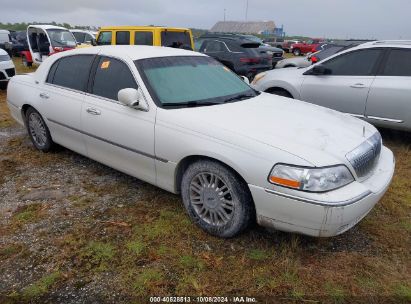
(371, 81)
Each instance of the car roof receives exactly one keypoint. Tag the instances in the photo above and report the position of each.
(131, 28)
(4, 31)
(133, 52)
(46, 26)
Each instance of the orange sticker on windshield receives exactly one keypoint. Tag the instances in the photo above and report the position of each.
(227, 69)
(105, 64)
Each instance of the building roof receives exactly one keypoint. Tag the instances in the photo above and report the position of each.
(246, 27)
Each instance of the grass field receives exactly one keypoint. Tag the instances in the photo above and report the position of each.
(74, 230)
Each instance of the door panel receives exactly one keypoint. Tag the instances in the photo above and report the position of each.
(120, 137)
(347, 94)
(62, 107)
(389, 102)
(346, 83)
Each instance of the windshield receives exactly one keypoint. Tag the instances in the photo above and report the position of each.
(61, 38)
(183, 81)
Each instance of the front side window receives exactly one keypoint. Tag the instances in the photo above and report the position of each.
(143, 38)
(112, 75)
(175, 39)
(357, 63)
(123, 38)
(104, 38)
(398, 63)
(71, 72)
(61, 38)
(191, 81)
(80, 37)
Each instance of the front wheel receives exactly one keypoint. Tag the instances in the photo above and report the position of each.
(216, 199)
(38, 131)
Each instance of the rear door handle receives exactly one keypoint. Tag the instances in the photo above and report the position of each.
(93, 111)
(44, 96)
(358, 86)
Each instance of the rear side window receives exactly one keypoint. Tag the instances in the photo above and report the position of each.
(398, 63)
(111, 76)
(143, 38)
(358, 63)
(71, 72)
(214, 46)
(123, 38)
(175, 39)
(104, 38)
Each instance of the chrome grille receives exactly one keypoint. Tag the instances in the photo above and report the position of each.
(365, 156)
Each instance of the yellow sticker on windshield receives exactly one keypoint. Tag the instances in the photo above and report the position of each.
(105, 64)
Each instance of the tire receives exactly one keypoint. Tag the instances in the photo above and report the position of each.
(3, 85)
(25, 62)
(38, 131)
(216, 199)
(296, 52)
(279, 92)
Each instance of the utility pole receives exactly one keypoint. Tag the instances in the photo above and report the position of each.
(224, 14)
(246, 12)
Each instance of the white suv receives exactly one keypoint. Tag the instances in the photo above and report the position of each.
(7, 69)
(371, 81)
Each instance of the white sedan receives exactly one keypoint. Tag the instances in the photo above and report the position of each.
(184, 122)
(7, 69)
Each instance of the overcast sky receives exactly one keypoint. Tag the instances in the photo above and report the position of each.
(383, 19)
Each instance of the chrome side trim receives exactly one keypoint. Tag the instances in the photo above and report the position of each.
(356, 115)
(321, 203)
(385, 119)
(110, 142)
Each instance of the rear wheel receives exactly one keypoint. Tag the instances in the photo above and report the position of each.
(38, 131)
(25, 62)
(216, 199)
(296, 52)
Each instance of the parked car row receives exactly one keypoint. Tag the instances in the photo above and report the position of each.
(7, 69)
(184, 122)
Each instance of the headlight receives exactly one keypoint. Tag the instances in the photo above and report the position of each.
(258, 77)
(310, 179)
(4, 58)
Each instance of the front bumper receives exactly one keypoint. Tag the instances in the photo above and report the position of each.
(7, 70)
(323, 214)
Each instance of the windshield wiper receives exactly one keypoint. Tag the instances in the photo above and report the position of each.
(189, 104)
(239, 97)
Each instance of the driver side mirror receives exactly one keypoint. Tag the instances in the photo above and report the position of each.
(319, 70)
(245, 79)
(93, 42)
(132, 98)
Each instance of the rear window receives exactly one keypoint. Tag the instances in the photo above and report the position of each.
(143, 38)
(176, 39)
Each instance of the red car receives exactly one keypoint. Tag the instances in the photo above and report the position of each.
(305, 47)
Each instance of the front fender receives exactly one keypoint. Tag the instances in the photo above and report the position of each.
(281, 84)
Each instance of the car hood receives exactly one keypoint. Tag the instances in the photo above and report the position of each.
(316, 134)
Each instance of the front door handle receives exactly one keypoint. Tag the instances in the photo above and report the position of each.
(93, 111)
(358, 86)
(44, 96)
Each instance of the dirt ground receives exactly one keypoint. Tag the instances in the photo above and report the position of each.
(75, 231)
